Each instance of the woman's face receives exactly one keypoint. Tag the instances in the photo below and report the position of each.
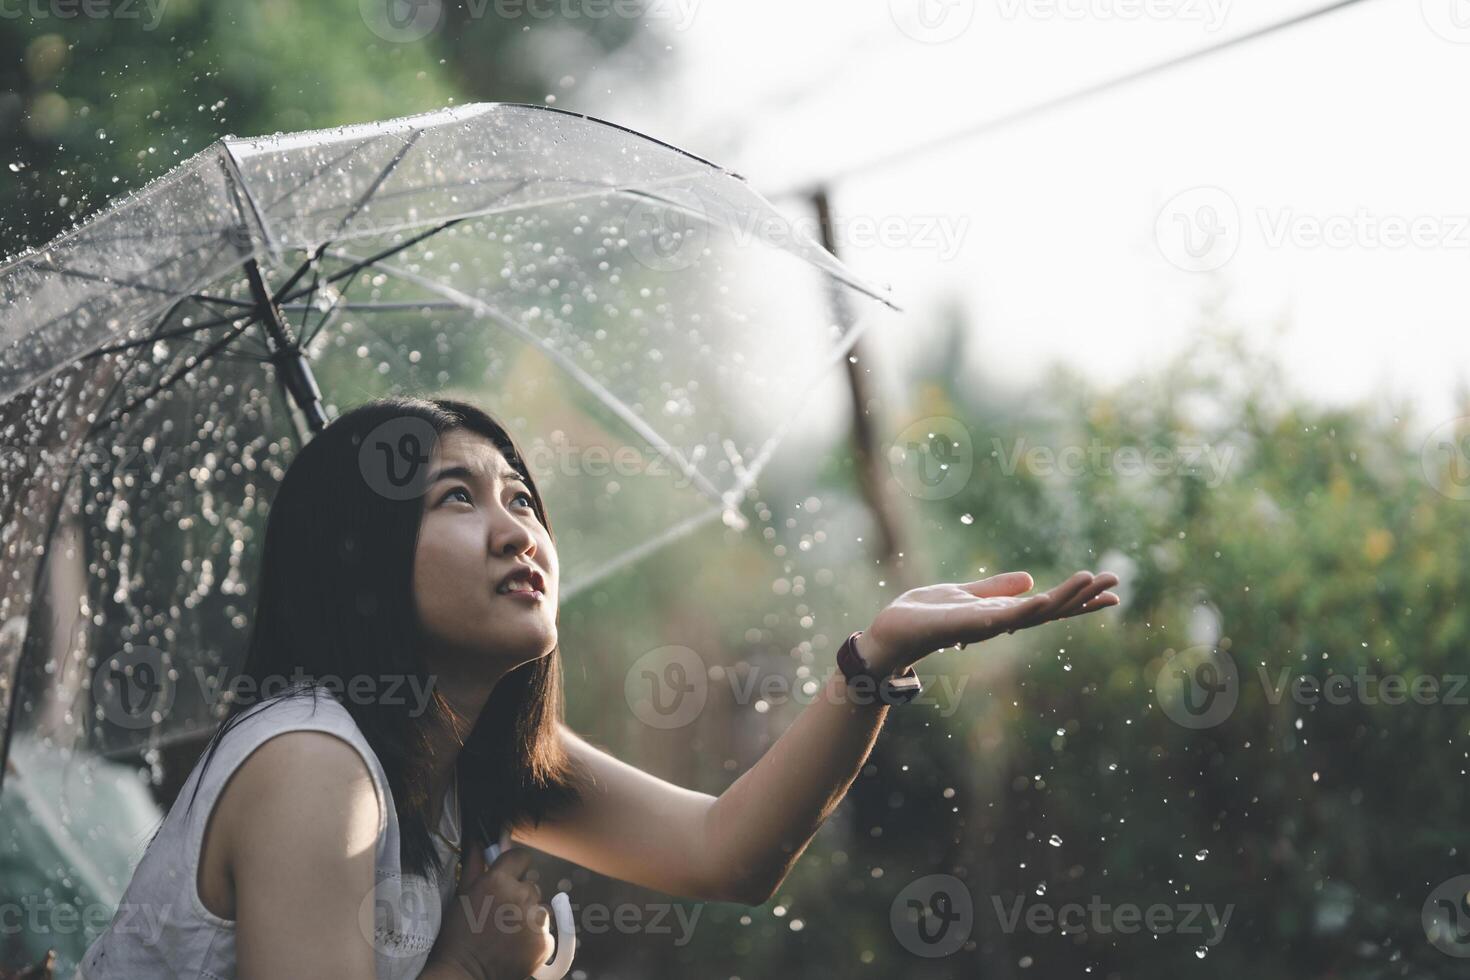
(479, 523)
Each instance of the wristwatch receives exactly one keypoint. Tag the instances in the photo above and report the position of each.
(900, 689)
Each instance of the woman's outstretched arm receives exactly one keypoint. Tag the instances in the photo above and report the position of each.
(740, 845)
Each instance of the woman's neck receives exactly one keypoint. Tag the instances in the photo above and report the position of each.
(466, 698)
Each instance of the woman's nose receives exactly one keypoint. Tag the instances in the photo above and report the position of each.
(510, 537)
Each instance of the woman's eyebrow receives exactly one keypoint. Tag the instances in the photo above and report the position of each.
(465, 473)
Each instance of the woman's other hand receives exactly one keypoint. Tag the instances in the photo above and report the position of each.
(496, 927)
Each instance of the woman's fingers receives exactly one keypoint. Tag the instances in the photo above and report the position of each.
(1093, 589)
(1102, 601)
(1062, 595)
(1018, 616)
(1004, 584)
(1052, 603)
(514, 862)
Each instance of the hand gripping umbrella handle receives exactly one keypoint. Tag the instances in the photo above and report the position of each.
(566, 927)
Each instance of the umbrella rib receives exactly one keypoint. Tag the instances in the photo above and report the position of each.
(386, 172)
(611, 401)
(383, 307)
(161, 335)
(196, 361)
(517, 182)
(641, 551)
(328, 315)
(357, 265)
(57, 319)
(305, 334)
(597, 189)
(235, 180)
(746, 477)
(133, 284)
(321, 169)
(352, 212)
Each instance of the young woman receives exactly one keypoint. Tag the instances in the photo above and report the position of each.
(329, 828)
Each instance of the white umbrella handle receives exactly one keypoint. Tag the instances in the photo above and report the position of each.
(566, 926)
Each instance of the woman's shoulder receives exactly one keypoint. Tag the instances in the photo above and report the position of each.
(300, 711)
(294, 730)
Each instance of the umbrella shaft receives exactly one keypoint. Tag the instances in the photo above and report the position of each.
(295, 373)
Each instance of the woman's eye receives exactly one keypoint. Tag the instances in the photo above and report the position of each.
(523, 495)
(464, 494)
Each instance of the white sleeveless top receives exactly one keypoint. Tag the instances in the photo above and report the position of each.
(162, 929)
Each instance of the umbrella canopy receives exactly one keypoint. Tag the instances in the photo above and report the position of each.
(645, 324)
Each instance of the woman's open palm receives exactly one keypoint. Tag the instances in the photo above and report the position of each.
(935, 616)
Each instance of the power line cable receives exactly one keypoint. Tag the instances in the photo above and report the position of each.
(807, 187)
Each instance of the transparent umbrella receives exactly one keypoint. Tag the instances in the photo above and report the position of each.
(645, 324)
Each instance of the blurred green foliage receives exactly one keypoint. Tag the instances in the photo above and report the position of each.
(92, 107)
(1322, 547)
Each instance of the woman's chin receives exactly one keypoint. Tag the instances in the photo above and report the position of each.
(525, 646)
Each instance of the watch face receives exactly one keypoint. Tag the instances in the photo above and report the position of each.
(901, 690)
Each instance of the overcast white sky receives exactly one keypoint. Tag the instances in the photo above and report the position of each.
(1066, 236)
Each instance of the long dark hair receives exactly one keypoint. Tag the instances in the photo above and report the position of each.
(335, 599)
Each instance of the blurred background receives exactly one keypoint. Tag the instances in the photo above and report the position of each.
(1185, 297)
